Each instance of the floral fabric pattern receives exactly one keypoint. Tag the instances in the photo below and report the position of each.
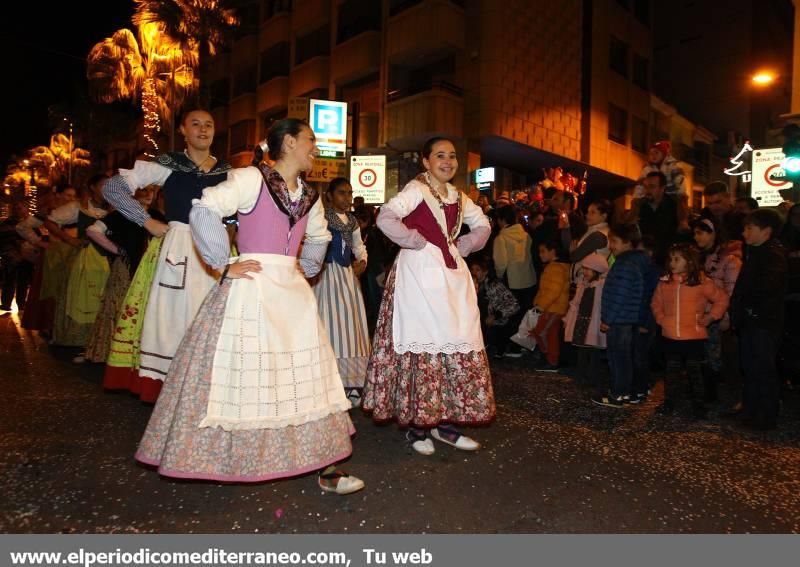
(103, 330)
(174, 442)
(424, 389)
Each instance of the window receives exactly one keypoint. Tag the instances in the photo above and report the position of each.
(358, 16)
(313, 44)
(244, 81)
(617, 124)
(702, 162)
(275, 62)
(275, 7)
(641, 72)
(220, 92)
(268, 120)
(243, 136)
(639, 134)
(618, 56)
(248, 20)
(641, 9)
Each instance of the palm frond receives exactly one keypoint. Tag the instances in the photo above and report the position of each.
(115, 68)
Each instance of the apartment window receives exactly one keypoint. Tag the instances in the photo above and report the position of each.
(244, 81)
(625, 4)
(356, 17)
(220, 146)
(248, 20)
(641, 72)
(275, 7)
(702, 162)
(617, 124)
(275, 62)
(641, 9)
(268, 120)
(314, 44)
(639, 134)
(243, 136)
(220, 92)
(618, 56)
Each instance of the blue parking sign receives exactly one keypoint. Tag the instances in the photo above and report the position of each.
(329, 118)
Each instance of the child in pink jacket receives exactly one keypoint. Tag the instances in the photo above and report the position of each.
(685, 303)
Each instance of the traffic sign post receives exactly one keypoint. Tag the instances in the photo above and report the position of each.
(769, 178)
(328, 120)
(368, 178)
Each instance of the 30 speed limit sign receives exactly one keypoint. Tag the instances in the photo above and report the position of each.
(368, 178)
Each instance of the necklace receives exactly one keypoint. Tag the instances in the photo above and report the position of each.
(451, 236)
(198, 165)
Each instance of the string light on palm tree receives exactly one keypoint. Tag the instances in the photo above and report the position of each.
(152, 123)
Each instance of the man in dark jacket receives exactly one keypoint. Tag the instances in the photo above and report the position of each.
(621, 311)
(720, 209)
(657, 215)
(757, 307)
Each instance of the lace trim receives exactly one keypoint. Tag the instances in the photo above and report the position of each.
(434, 348)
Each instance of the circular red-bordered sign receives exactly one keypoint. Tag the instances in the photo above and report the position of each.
(363, 178)
(771, 182)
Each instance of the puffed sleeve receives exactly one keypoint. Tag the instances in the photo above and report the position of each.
(65, 214)
(359, 248)
(239, 192)
(390, 218)
(479, 229)
(98, 227)
(119, 189)
(26, 229)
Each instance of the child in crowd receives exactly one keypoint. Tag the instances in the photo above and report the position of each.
(552, 301)
(582, 323)
(685, 303)
(621, 314)
(722, 262)
(648, 328)
(757, 313)
(499, 309)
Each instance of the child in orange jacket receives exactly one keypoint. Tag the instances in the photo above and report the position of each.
(552, 301)
(684, 304)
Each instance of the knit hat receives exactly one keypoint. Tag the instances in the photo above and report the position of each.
(596, 262)
(663, 146)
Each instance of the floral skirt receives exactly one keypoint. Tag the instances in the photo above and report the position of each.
(123, 358)
(425, 389)
(99, 342)
(174, 442)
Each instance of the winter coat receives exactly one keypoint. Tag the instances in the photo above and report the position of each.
(758, 297)
(594, 337)
(672, 170)
(723, 266)
(553, 294)
(495, 299)
(679, 308)
(625, 295)
(512, 257)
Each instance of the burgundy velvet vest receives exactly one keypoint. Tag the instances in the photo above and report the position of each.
(424, 222)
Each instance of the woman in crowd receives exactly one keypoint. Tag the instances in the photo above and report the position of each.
(338, 291)
(254, 393)
(594, 240)
(428, 369)
(182, 279)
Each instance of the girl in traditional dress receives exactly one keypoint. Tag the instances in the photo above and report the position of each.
(254, 393)
(126, 242)
(338, 291)
(79, 297)
(428, 368)
(40, 306)
(182, 279)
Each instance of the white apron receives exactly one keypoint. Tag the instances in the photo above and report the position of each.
(274, 365)
(435, 308)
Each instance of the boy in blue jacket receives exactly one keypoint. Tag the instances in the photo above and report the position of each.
(622, 312)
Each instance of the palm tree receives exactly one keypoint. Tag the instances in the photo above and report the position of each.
(155, 70)
(51, 164)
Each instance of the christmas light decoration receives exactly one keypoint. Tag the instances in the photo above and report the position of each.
(738, 162)
(152, 122)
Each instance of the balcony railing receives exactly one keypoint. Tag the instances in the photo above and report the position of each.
(425, 87)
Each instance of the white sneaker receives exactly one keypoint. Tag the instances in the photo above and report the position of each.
(462, 441)
(345, 483)
(421, 446)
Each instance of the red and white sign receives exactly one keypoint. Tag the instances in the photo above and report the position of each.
(768, 177)
(368, 178)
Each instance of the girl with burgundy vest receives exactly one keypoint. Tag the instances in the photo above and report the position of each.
(428, 369)
(254, 393)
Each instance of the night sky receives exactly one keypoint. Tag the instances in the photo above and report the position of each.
(44, 48)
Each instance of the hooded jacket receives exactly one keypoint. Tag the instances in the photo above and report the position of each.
(679, 308)
(512, 257)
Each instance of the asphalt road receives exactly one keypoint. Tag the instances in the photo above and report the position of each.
(551, 463)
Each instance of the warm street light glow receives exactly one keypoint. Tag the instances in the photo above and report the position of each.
(763, 78)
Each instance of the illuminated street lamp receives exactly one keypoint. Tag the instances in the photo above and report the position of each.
(764, 78)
